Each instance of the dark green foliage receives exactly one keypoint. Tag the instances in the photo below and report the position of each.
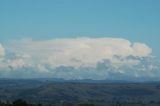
(19, 102)
(67, 104)
(39, 105)
(86, 104)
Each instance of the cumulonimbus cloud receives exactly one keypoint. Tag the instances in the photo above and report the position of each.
(79, 51)
(79, 58)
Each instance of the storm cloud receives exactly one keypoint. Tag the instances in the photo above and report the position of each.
(78, 58)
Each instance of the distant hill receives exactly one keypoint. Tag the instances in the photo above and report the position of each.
(76, 91)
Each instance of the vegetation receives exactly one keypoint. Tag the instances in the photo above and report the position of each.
(21, 102)
(50, 93)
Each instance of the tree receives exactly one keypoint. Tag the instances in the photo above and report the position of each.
(86, 105)
(19, 102)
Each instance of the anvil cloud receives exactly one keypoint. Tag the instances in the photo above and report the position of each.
(81, 58)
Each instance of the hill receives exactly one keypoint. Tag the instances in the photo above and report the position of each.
(53, 92)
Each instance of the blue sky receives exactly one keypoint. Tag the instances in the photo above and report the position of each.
(131, 20)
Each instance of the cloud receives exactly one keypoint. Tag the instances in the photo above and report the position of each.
(78, 52)
(2, 51)
(79, 58)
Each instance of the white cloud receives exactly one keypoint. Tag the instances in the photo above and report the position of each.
(79, 58)
(2, 51)
(141, 49)
(78, 52)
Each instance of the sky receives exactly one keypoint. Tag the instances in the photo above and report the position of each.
(80, 35)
